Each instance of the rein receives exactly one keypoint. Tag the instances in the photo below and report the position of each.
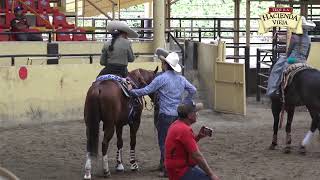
(136, 86)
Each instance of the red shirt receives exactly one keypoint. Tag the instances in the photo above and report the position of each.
(179, 145)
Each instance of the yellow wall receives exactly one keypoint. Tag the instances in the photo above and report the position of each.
(314, 59)
(207, 55)
(20, 47)
(50, 93)
(86, 47)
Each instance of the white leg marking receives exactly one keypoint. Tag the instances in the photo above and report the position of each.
(87, 168)
(119, 166)
(307, 138)
(105, 163)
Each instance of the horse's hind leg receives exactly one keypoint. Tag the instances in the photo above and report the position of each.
(290, 111)
(133, 136)
(119, 166)
(108, 133)
(276, 109)
(314, 125)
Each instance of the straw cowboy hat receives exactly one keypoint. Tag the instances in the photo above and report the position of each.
(307, 24)
(171, 58)
(122, 26)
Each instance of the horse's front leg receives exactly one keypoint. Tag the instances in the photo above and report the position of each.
(133, 135)
(119, 166)
(290, 111)
(314, 125)
(276, 109)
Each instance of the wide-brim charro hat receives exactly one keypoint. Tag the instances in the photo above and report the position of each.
(171, 58)
(122, 26)
(307, 24)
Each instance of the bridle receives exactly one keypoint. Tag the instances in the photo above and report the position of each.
(137, 85)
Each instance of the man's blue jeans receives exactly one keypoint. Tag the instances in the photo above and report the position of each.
(163, 124)
(195, 173)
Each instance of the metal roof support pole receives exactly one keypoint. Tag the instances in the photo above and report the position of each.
(97, 8)
(76, 11)
(119, 9)
(168, 14)
(159, 23)
(113, 9)
(248, 24)
(236, 26)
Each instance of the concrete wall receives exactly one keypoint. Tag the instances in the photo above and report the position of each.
(22, 47)
(49, 93)
(207, 55)
(86, 47)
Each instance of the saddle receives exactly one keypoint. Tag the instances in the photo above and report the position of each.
(289, 73)
(123, 83)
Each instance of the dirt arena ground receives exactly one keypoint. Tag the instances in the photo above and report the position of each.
(238, 150)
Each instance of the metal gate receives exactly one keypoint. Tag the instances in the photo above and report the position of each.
(230, 89)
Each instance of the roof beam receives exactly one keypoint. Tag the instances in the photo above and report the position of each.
(97, 8)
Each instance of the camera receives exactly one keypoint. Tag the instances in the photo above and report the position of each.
(207, 131)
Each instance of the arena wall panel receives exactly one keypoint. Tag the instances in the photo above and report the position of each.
(48, 93)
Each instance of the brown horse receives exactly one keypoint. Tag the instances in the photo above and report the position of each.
(106, 102)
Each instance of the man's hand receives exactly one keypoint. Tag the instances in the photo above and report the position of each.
(214, 177)
(129, 87)
(201, 134)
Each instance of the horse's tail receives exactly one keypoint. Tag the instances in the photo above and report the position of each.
(92, 119)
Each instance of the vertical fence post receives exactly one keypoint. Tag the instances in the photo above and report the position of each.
(91, 59)
(180, 26)
(199, 34)
(50, 37)
(12, 61)
(214, 29)
(247, 67)
(258, 96)
(219, 28)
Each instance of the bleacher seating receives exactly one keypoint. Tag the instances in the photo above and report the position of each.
(30, 3)
(79, 37)
(40, 22)
(44, 5)
(3, 37)
(43, 8)
(8, 17)
(9, 6)
(59, 20)
(63, 36)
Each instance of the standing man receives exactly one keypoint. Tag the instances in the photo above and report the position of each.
(170, 87)
(183, 159)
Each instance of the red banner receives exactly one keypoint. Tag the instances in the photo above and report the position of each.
(282, 9)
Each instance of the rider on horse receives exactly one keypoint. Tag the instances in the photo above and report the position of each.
(298, 51)
(118, 52)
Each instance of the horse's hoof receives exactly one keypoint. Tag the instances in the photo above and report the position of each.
(287, 150)
(106, 174)
(120, 168)
(272, 146)
(134, 166)
(87, 176)
(302, 150)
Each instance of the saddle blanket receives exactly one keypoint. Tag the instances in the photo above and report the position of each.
(291, 71)
(110, 77)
